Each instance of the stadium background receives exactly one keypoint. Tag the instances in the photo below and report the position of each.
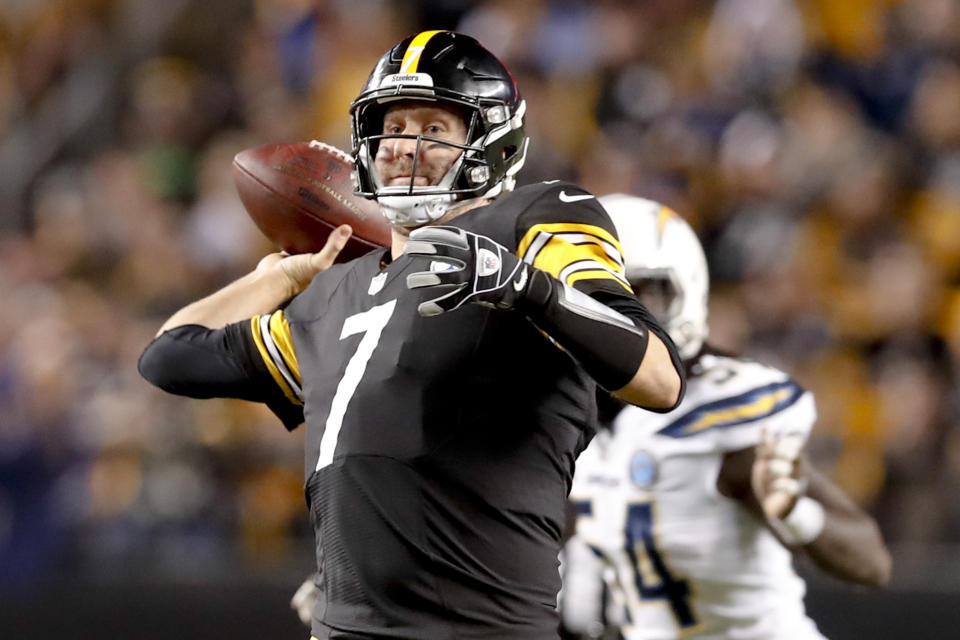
(814, 145)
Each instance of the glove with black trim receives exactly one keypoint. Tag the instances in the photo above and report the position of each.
(466, 267)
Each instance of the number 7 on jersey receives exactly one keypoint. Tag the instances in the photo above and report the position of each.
(370, 323)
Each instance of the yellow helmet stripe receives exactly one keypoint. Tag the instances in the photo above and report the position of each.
(663, 216)
(411, 57)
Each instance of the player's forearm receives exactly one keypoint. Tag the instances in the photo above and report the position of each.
(656, 383)
(621, 355)
(256, 293)
(850, 546)
(852, 549)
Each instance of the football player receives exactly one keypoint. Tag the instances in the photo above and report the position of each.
(688, 520)
(447, 382)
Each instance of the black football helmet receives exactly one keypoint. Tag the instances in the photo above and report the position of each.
(454, 69)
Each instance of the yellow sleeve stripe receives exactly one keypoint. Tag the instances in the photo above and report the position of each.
(411, 57)
(280, 332)
(273, 359)
(566, 227)
(595, 274)
(573, 252)
(755, 404)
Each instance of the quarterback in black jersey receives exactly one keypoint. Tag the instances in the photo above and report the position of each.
(447, 383)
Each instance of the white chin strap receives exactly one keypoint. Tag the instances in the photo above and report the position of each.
(415, 210)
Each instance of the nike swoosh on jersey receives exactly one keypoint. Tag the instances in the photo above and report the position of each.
(565, 198)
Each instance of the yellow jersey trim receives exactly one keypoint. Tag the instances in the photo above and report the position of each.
(548, 247)
(258, 338)
(280, 331)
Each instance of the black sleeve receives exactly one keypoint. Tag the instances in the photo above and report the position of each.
(609, 341)
(578, 293)
(198, 362)
(641, 316)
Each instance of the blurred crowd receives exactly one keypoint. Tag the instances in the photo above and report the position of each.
(814, 145)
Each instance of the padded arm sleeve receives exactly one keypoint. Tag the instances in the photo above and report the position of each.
(607, 343)
(198, 362)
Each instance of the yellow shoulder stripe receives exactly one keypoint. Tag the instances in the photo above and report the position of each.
(572, 252)
(411, 57)
(565, 227)
(280, 331)
(595, 274)
(762, 406)
(752, 405)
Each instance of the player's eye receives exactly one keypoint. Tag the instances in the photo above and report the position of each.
(434, 129)
(392, 128)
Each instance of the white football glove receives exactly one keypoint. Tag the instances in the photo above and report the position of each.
(304, 599)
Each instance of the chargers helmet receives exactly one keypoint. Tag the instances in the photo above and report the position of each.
(454, 69)
(661, 250)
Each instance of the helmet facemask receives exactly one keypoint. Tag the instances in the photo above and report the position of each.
(658, 291)
(661, 292)
(486, 166)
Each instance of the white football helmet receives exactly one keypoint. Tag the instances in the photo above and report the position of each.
(662, 252)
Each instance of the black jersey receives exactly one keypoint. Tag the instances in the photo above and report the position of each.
(440, 450)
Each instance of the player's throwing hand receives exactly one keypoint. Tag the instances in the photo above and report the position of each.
(300, 269)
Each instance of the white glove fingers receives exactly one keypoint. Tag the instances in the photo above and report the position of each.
(788, 447)
(429, 309)
(422, 279)
(441, 304)
(417, 247)
(788, 486)
(449, 236)
(780, 467)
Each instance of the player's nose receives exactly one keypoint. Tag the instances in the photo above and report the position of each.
(404, 146)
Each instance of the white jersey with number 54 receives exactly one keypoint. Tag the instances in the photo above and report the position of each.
(677, 557)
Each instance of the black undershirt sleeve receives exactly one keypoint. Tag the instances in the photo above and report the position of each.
(641, 316)
(198, 362)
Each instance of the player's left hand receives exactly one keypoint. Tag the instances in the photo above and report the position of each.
(465, 267)
(777, 477)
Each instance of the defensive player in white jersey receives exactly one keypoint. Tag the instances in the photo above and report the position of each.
(688, 521)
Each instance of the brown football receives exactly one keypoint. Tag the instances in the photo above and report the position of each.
(297, 193)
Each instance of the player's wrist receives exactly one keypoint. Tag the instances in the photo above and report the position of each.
(276, 282)
(538, 291)
(803, 524)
